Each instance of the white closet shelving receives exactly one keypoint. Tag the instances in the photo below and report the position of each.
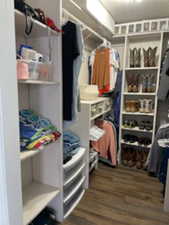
(90, 111)
(125, 43)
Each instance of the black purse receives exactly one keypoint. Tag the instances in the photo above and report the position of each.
(20, 5)
(29, 12)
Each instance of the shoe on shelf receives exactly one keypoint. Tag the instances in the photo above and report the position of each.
(132, 161)
(139, 160)
(125, 156)
(146, 57)
(131, 58)
(152, 56)
(137, 58)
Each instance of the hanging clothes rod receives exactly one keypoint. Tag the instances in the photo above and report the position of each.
(83, 24)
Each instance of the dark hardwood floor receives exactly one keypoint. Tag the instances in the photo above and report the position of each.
(120, 197)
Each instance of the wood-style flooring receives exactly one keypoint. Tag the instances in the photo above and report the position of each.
(120, 196)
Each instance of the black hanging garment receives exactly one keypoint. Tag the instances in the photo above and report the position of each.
(70, 52)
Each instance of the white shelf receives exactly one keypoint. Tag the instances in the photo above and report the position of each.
(137, 129)
(38, 82)
(35, 198)
(39, 29)
(74, 159)
(28, 154)
(75, 175)
(74, 190)
(142, 68)
(74, 205)
(140, 93)
(135, 144)
(138, 113)
(100, 114)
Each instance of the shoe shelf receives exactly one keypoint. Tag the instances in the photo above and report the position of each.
(141, 68)
(43, 82)
(137, 129)
(136, 144)
(39, 29)
(139, 93)
(35, 198)
(138, 113)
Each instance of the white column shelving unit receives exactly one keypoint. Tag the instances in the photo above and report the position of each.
(32, 180)
(141, 40)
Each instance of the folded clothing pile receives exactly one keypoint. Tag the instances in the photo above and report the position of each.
(71, 145)
(35, 130)
(96, 133)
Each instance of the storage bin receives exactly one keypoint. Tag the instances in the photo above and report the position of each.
(30, 70)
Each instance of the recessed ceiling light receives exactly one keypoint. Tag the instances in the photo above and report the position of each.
(76, 5)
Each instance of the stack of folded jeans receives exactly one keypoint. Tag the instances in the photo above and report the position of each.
(71, 145)
(35, 131)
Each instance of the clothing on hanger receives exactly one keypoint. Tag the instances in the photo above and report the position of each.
(72, 49)
(106, 145)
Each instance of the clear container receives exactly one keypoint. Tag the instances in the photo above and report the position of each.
(138, 28)
(146, 27)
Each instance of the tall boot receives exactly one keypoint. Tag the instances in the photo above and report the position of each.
(152, 56)
(132, 161)
(131, 58)
(146, 57)
(129, 83)
(139, 160)
(137, 57)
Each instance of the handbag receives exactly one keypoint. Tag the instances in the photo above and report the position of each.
(20, 5)
(29, 12)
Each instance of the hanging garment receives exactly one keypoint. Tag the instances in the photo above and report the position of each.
(70, 52)
(77, 66)
(117, 100)
(101, 70)
(106, 145)
(156, 150)
(163, 91)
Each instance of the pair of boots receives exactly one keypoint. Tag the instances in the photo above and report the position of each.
(150, 57)
(132, 82)
(148, 83)
(146, 105)
(134, 158)
(135, 57)
(131, 106)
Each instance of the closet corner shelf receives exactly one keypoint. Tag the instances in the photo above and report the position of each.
(140, 93)
(141, 68)
(138, 114)
(137, 129)
(136, 144)
(39, 29)
(38, 82)
(74, 205)
(35, 198)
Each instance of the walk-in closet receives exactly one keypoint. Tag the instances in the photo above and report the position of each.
(84, 112)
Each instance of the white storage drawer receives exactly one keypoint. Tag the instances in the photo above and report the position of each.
(73, 187)
(73, 202)
(75, 166)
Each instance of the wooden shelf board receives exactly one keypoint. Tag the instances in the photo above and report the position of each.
(35, 198)
(38, 82)
(28, 154)
(138, 114)
(142, 68)
(137, 129)
(140, 93)
(135, 144)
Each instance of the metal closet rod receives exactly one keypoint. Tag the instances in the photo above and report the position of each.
(84, 25)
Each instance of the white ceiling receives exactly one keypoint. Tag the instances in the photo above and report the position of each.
(124, 11)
